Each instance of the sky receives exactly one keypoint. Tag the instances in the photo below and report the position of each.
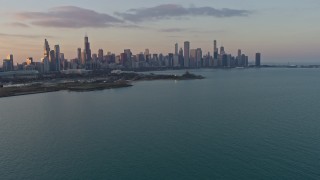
(282, 30)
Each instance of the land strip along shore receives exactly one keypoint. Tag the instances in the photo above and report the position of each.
(86, 84)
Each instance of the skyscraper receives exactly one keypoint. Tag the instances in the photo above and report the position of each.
(258, 59)
(193, 58)
(186, 53)
(52, 60)
(222, 52)
(181, 61)
(79, 55)
(239, 53)
(46, 49)
(87, 50)
(176, 49)
(199, 57)
(215, 50)
(57, 62)
(8, 63)
(100, 55)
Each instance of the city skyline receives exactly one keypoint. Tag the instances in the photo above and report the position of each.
(281, 31)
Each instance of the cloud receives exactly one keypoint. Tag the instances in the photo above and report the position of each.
(171, 30)
(69, 17)
(23, 36)
(18, 25)
(179, 30)
(168, 11)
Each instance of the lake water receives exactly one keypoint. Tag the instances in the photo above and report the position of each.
(235, 124)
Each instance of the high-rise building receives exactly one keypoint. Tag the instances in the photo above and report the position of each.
(79, 56)
(181, 61)
(100, 55)
(87, 50)
(176, 49)
(199, 57)
(186, 53)
(57, 62)
(46, 60)
(129, 58)
(46, 65)
(222, 52)
(258, 59)
(46, 49)
(170, 60)
(193, 58)
(215, 50)
(239, 53)
(8, 63)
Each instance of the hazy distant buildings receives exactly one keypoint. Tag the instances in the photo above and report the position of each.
(53, 61)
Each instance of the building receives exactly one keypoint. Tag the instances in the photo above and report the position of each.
(87, 53)
(29, 61)
(46, 49)
(186, 54)
(199, 58)
(176, 49)
(100, 55)
(222, 51)
(128, 63)
(215, 50)
(46, 65)
(8, 63)
(258, 60)
(57, 60)
(79, 56)
(32, 74)
(181, 60)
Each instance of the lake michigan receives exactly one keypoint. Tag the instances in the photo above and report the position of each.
(235, 124)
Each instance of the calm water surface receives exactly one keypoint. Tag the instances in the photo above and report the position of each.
(235, 124)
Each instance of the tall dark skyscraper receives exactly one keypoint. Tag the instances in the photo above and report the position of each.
(181, 61)
(79, 55)
(46, 49)
(258, 59)
(57, 62)
(87, 50)
(186, 53)
(215, 50)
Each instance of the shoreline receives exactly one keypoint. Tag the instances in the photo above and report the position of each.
(110, 82)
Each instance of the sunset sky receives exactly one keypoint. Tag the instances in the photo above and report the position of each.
(282, 30)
